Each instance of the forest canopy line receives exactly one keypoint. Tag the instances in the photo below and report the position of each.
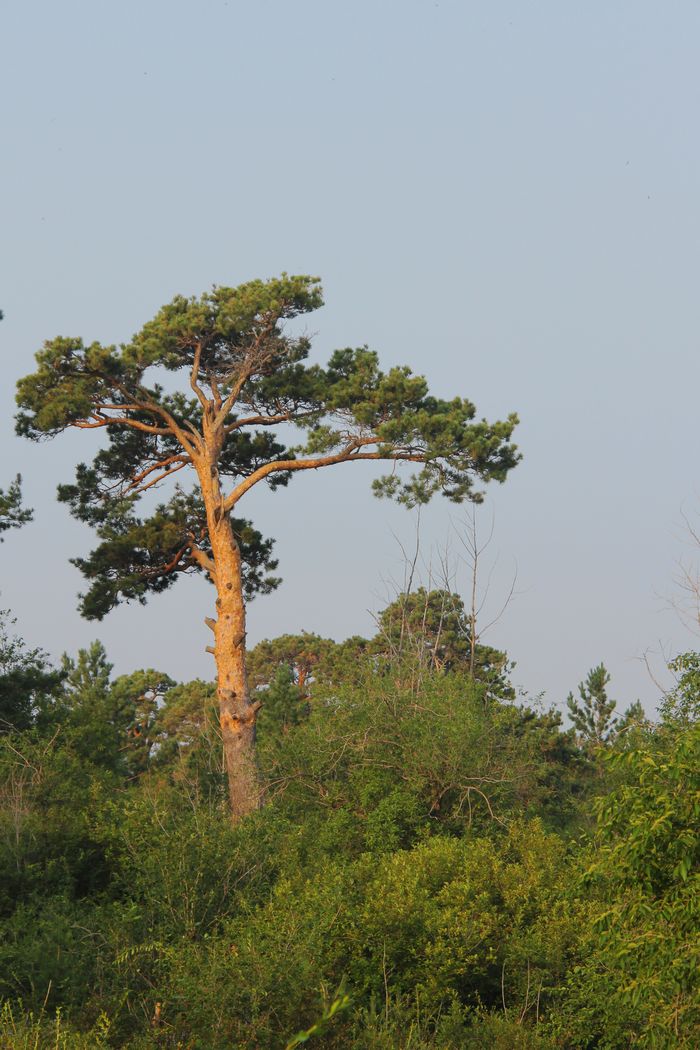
(243, 374)
(446, 862)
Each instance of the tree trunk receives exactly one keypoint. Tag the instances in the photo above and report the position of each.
(237, 712)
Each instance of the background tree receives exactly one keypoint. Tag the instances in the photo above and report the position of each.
(429, 625)
(28, 684)
(285, 704)
(592, 713)
(138, 698)
(633, 718)
(302, 654)
(309, 660)
(433, 628)
(89, 717)
(244, 374)
(682, 705)
(12, 513)
(110, 722)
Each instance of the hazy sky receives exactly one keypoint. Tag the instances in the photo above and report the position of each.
(502, 195)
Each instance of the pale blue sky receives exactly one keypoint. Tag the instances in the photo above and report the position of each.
(502, 195)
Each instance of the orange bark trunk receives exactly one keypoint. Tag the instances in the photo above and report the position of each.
(237, 712)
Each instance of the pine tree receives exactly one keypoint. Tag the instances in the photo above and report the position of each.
(243, 375)
(592, 715)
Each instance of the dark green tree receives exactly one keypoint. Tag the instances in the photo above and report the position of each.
(301, 654)
(311, 661)
(592, 713)
(631, 721)
(12, 513)
(110, 722)
(243, 375)
(28, 684)
(137, 700)
(433, 629)
(285, 704)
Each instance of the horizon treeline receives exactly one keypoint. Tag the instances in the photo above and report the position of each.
(437, 864)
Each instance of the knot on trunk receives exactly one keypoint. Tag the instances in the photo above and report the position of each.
(234, 714)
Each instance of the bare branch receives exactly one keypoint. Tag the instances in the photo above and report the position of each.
(646, 660)
(508, 599)
(473, 551)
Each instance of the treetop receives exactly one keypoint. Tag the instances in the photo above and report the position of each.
(245, 377)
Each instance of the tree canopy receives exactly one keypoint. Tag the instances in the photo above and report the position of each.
(244, 375)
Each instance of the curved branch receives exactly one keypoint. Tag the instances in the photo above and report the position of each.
(269, 421)
(170, 566)
(283, 466)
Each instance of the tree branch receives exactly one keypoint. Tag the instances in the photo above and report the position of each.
(282, 466)
(138, 488)
(194, 375)
(204, 561)
(231, 398)
(170, 566)
(253, 366)
(160, 464)
(262, 421)
(119, 421)
(172, 425)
